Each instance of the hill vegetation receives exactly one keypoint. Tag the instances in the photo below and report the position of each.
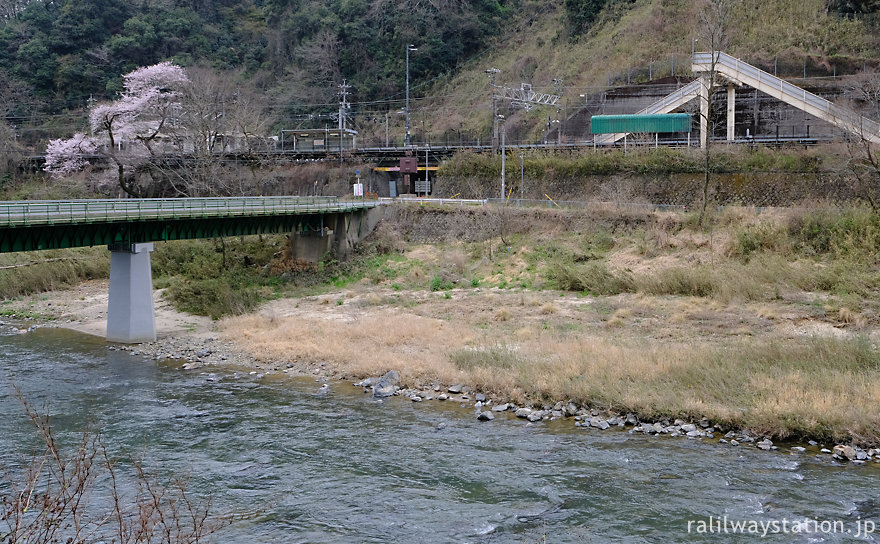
(56, 56)
(64, 53)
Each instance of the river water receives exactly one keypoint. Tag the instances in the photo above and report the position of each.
(295, 466)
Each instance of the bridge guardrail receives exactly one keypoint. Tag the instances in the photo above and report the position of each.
(48, 212)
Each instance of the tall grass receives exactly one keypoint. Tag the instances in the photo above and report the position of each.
(591, 278)
(39, 271)
(824, 388)
(818, 387)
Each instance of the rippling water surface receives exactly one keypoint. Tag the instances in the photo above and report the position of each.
(299, 467)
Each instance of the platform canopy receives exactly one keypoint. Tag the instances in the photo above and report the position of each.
(645, 123)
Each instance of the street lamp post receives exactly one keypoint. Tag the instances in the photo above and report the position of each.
(408, 49)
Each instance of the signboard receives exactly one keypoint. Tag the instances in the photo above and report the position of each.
(358, 189)
(409, 165)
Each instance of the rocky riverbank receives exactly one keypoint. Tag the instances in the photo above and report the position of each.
(210, 352)
(776, 367)
(591, 419)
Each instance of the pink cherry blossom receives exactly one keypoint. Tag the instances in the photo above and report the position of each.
(124, 130)
(64, 157)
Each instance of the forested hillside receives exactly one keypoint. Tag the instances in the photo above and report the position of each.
(63, 52)
(57, 55)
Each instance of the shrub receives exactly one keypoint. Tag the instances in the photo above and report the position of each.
(594, 278)
(852, 233)
(214, 297)
(761, 237)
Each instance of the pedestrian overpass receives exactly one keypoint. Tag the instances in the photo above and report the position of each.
(736, 72)
(129, 227)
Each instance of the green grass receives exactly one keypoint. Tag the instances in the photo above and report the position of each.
(555, 167)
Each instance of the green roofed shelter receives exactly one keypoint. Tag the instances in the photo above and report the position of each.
(641, 123)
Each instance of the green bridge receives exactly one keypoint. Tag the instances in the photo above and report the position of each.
(59, 224)
(128, 227)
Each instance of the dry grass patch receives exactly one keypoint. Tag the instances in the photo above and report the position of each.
(524, 333)
(548, 308)
(765, 311)
(618, 318)
(369, 346)
(822, 388)
(502, 315)
(812, 387)
(457, 260)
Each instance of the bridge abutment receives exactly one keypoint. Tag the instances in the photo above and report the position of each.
(130, 314)
(338, 234)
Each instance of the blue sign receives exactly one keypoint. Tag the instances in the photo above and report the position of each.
(357, 172)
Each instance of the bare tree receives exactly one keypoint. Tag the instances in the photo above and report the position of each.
(52, 498)
(12, 95)
(321, 56)
(249, 123)
(863, 92)
(200, 138)
(713, 35)
(222, 128)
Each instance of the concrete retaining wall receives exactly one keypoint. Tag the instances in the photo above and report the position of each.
(337, 234)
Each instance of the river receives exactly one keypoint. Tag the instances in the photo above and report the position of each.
(296, 466)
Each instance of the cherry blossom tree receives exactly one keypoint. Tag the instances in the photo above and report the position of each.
(128, 132)
(65, 157)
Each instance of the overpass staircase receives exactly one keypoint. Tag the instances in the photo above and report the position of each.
(738, 72)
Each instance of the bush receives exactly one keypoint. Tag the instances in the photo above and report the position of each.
(214, 297)
(693, 282)
(761, 237)
(852, 233)
(593, 278)
(199, 282)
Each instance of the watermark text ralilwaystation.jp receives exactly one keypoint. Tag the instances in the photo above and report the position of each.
(722, 525)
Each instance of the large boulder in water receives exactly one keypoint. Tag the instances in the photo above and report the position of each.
(387, 385)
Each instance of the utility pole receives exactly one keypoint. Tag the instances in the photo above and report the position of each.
(343, 106)
(503, 154)
(409, 48)
(491, 73)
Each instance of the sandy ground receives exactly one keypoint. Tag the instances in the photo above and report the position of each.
(84, 309)
(504, 311)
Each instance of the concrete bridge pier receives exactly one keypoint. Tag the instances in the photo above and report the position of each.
(130, 314)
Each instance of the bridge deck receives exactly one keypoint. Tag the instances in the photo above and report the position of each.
(55, 212)
(36, 225)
